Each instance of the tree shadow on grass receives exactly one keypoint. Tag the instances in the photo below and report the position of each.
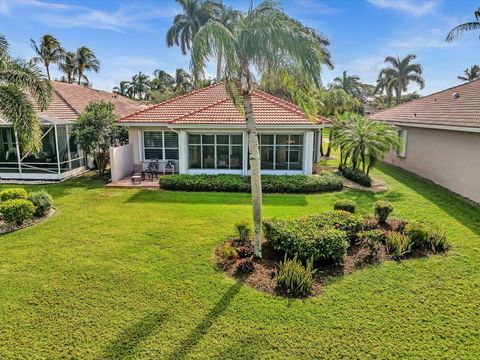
(197, 334)
(125, 345)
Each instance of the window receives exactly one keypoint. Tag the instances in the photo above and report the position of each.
(160, 145)
(402, 151)
(215, 151)
(281, 152)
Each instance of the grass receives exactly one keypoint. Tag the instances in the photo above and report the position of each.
(122, 273)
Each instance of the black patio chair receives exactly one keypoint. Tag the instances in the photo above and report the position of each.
(151, 170)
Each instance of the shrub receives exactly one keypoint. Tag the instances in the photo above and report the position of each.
(293, 278)
(398, 244)
(245, 266)
(339, 219)
(244, 230)
(372, 240)
(395, 224)
(16, 211)
(346, 205)
(237, 183)
(228, 251)
(244, 251)
(438, 241)
(13, 193)
(424, 237)
(382, 209)
(305, 239)
(42, 202)
(356, 175)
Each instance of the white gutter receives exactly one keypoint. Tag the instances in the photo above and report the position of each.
(438, 127)
(222, 126)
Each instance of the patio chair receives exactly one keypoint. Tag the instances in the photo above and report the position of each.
(170, 166)
(138, 174)
(152, 170)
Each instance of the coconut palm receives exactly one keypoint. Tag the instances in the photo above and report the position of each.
(385, 85)
(263, 35)
(162, 81)
(86, 61)
(68, 65)
(22, 88)
(49, 51)
(401, 73)
(122, 89)
(349, 83)
(140, 85)
(469, 26)
(183, 81)
(471, 74)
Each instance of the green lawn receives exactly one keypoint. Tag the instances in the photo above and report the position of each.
(130, 274)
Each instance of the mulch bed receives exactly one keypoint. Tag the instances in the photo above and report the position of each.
(4, 228)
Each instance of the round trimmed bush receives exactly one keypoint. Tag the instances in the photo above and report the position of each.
(382, 209)
(42, 201)
(346, 205)
(13, 193)
(16, 211)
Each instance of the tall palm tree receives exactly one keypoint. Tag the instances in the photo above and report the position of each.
(122, 89)
(469, 26)
(349, 83)
(401, 73)
(162, 81)
(86, 61)
(183, 81)
(140, 84)
(49, 51)
(68, 65)
(471, 74)
(22, 88)
(263, 34)
(385, 85)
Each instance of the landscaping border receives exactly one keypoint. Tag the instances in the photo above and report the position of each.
(5, 229)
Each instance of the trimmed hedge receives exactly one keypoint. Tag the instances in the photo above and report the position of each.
(42, 201)
(356, 175)
(236, 183)
(13, 193)
(346, 205)
(341, 220)
(16, 211)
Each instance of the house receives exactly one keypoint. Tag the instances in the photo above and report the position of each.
(441, 138)
(203, 133)
(60, 156)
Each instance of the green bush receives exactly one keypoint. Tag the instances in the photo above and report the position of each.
(245, 266)
(438, 241)
(293, 278)
(346, 205)
(16, 211)
(372, 240)
(398, 244)
(228, 251)
(244, 231)
(305, 239)
(237, 183)
(425, 237)
(13, 193)
(338, 219)
(356, 176)
(382, 209)
(42, 202)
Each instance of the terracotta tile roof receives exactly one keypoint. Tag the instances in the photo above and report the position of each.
(69, 100)
(456, 106)
(213, 106)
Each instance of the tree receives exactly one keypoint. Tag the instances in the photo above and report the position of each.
(162, 81)
(460, 29)
(86, 61)
(22, 88)
(95, 130)
(68, 65)
(263, 35)
(401, 73)
(49, 51)
(385, 85)
(122, 89)
(183, 82)
(349, 83)
(471, 74)
(140, 84)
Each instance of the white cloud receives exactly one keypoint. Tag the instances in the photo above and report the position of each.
(313, 6)
(414, 8)
(4, 8)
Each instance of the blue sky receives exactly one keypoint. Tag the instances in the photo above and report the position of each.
(129, 36)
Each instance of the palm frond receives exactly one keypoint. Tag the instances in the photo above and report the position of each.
(460, 29)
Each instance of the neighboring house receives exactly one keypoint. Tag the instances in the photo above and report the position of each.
(203, 133)
(60, 156)
(441, 137)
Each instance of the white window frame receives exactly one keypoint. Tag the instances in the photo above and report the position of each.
(162, 148)
(288, 149)
(215, 145)
(403, 135)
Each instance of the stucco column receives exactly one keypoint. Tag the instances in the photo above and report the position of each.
(308, 153)
(182, 152)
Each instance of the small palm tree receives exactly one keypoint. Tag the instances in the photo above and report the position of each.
(22, 87)
(86, 61)
(471, 74)
(385, 85)
(263, 35)
(49, 51)
(183, 82)
(68, 65)
(162, 81)
(349, 83)
(469, 26)
(122, 89)
(401, 73)
(140, 85)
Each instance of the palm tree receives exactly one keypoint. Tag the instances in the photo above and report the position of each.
(263, 34)
(86, 61)
(471, 74)
(68, 66)
(162, 81)
(22, 88)
(140, 85)
(349, 83)
(401, 73)
(183, 82)
(122, 89)
(49, 51)
(472, 25)
(384, 84)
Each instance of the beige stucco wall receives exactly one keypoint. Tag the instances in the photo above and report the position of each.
(448, 158)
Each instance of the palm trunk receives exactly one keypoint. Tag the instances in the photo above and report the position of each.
(219, 66)
(48, 72)
(321, 142)
(399, 95)
(254, 157)
(329, 148)
(80, 73)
